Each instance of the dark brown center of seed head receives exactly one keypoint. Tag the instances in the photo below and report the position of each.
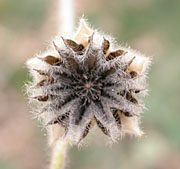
(88, 85)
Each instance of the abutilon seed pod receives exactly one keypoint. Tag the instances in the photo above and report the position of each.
(85, 80)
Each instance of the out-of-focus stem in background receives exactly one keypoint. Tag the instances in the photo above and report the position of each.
(66, 17)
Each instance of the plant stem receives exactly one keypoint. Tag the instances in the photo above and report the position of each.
(59, 152)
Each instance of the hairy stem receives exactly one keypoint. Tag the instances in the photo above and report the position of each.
(59, 152)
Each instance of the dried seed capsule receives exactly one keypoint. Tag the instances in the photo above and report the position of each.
(116, 116)
(51, 60)
(103, 129)
(127, 114)
(105, 45)
(41, 98)
(133, 100)
(44, 82)
(115, 54)
(87, 80)
(137, 91)
(133, 74)
(86, 131)
(72, 44)
(42, 72)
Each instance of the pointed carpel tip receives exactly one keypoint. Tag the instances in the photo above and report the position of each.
(91, 37)
(105, 39)
(62, 38)
(83, 22)
(84, 26)
(83, 32)
(131, 61)
(64, 41)
(55, 46)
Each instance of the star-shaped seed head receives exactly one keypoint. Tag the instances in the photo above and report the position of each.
(84, 80)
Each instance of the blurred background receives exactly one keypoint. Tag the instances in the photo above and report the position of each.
(151, 26)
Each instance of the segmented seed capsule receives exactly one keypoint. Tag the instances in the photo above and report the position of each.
(85, 80)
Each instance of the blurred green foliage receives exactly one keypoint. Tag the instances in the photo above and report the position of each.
(22, 14)
(6, 165)
(18, 79)
(133, 18)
